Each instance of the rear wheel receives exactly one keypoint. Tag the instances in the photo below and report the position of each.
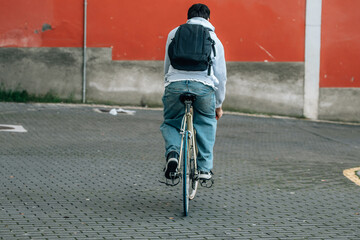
(194, 182)
(193, 166)
(186, 176)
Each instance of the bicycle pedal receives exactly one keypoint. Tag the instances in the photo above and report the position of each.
(174, 175)
(207, 183)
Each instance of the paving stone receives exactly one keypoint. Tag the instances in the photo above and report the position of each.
(81, 174)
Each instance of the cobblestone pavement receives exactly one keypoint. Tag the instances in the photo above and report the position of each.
(82, 174)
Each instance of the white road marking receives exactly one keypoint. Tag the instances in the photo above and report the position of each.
(352, 176)
(12, 128)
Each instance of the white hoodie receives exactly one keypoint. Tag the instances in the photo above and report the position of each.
(217, 78)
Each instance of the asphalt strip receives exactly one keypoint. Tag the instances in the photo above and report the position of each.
(353, 174)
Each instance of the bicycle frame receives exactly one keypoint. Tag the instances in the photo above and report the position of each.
(187, 126)
(188, 154)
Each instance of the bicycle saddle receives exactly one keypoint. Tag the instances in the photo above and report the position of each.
(187, 97)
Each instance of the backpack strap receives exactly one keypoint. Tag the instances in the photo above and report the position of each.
(214, 51)
(209, 68)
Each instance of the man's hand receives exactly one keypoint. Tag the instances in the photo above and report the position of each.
(219, 112)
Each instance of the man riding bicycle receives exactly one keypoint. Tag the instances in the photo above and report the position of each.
(209, 87)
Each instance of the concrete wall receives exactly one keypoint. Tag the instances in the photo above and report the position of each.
(252, 87)
(258, 87)
(340, 104)
(273, 88)
(124, 82)
(42, 70)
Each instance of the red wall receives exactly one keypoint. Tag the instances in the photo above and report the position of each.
(340, 44)
(21, 23)
(255, 30)
(251, 30)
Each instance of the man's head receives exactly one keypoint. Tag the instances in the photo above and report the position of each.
(199, 10)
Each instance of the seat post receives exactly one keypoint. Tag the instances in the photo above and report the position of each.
(188, 105)
(187, 99)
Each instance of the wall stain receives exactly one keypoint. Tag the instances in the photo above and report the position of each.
(46, 27)
(52, 57)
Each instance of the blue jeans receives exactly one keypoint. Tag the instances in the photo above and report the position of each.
(204, 119)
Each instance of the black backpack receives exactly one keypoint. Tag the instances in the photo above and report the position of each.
(191, 47)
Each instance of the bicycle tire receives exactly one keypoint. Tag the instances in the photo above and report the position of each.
(193, 175)
(186, 176)
(194, 183)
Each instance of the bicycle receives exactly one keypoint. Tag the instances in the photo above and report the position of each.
(188, 152)
(187, 165)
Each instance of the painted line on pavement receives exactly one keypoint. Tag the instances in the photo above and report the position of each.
(352, 176)
(12, 128)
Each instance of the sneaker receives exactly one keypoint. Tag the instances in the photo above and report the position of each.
(171, 165)
(205, 175)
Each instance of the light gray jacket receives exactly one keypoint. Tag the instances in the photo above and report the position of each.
(217, 78)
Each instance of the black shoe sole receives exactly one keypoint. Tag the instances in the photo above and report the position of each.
(171, 168)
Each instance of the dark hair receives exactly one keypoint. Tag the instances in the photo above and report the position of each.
(199, 10)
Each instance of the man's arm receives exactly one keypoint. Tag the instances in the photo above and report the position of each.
(220, 73)
(219, 112)
(167, 59)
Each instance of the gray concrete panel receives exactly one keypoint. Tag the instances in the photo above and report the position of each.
(42, 70)
(273, 88)
(340, 104)
(124, 82)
